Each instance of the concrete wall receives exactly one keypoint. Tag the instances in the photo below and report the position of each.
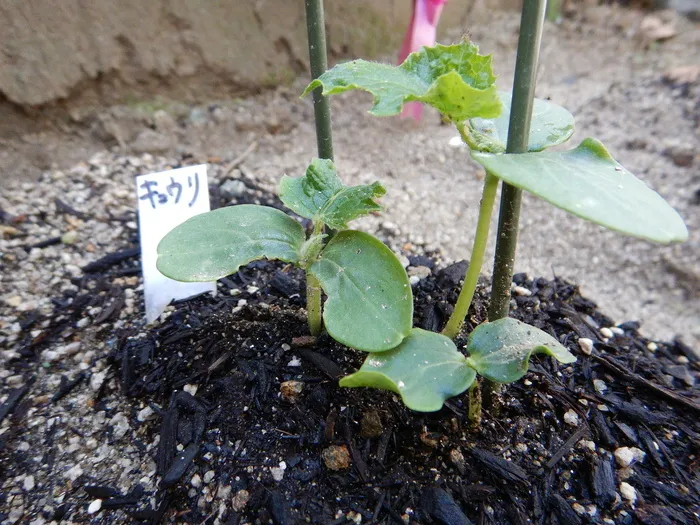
(108, 51)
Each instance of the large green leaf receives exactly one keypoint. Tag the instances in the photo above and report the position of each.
(425, 370)
(551, 125)
(319, 195)
(370, 303)
(215, 244)
(501, 350)
(590, 184)
(456, 80)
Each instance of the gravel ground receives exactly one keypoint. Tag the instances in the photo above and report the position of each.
(598, 67)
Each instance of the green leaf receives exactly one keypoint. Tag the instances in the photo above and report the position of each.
(306, 195)
(425, 370)
(501, 350)
(551, 125)
(215, 244)
(319, 195)
(590, 184)
(370, 303)
(456, 80)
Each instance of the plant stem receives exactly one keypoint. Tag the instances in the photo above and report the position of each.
(476, 261)
(315, 25)
(313, 304)
(313, 291)
(531, 24)
(474, 409)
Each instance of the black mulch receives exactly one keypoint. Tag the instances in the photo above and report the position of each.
(525, 464)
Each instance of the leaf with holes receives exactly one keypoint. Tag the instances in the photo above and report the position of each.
(551, 125)
(501, 350)
(425, 370)
(319, 195)
(589, 183)
(370, 303)
(215, 244)
(456, 80)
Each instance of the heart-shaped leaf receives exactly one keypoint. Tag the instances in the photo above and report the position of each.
(425, 370)
(319, 195)
(215, 244)
(590, 184)
(551, 125)
(501, 350)
(370, 303)
(456, 80)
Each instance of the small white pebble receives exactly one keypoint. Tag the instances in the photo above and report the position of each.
(95, 506)
(586, 345)
(652, 346)
(242, 302)
(286, 347)
(278, 472)
(626, 456)
(196, 481)
(606, 332)
(617, 330)
(209, 476)
(682, 360)
(527, 382)
(294, 362)
(579, 509)
(571, 418)
(414, 280)
(144, 414)
(190, 389)
(522, 291)
(600, 386)
(590, 445)
(234, 291)
(628, 492)
(252, 289)
(28, 483)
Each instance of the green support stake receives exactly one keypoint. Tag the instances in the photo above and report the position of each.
(315, 24)
(531, 24)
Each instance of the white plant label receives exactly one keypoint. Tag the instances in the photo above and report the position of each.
(165, 200)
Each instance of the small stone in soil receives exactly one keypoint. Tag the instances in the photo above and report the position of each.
(571, 418)
(94, 506)
(626, 456)
(606, 332)
(628, 492)
(586, 345)
(336, 457)
(291, 390)
(371, 424)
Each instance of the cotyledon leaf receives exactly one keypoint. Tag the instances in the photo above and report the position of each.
(319, 195)
(551, 125)
(589, 183)
(215, 244)
(456, 80)
(370, 303)
(425, 370)
(501, 350)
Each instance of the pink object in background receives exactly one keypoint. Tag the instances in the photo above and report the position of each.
(421, 32)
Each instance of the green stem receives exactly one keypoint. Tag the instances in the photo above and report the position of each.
(476, 261)
(315, 25)
(531, 24)
(474, 409)
(313, 304)
(313, 289)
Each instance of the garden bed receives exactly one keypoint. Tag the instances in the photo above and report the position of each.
(227, 411)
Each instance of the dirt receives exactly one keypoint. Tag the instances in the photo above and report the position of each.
(194, 419)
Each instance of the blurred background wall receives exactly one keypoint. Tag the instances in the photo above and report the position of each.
(107, 51)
